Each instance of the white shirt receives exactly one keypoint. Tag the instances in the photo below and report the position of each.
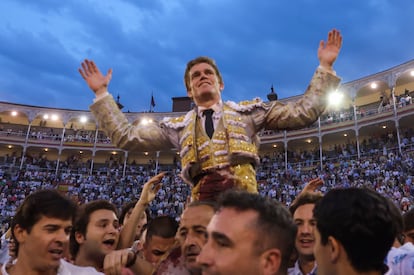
(67, 268)
(296, 270)
(400, 260)
(217, 108)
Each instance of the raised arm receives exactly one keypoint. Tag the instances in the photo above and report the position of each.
(116, 125)
(328, 51)
(96, 81)
(278, 115)
(150, 189)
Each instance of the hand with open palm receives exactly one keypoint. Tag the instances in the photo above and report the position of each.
(328, 51)
(96, 81)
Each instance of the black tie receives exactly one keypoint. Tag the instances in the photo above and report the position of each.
(209, 126)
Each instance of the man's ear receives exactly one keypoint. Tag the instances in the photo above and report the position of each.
(79, 237)
(270, 261)
(19, 233)
(335, 249)
(139, 246)
(189, 94)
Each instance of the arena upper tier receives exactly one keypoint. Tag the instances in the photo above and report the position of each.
(375, 106)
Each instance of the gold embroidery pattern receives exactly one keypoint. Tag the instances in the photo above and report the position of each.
(229, 146)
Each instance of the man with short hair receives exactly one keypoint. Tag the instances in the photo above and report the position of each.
(96, 240)
(249, 234)
(192, 233)
(159, 238)
(95, 233)
(41, 229)
(302, 212)
(192, 236)
(355, 229)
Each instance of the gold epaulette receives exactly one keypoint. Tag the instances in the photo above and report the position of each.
(246, 105)
(177, 122)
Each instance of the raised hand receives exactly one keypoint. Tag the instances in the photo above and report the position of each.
(151, 188)
(312, 186)
(328, 51)
(96, 81)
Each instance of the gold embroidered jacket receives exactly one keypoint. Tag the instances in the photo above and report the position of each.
(235, 140)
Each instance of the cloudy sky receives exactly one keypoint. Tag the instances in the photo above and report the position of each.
(147, 43)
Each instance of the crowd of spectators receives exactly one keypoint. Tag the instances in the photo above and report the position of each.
(388, 173)
(380, 167)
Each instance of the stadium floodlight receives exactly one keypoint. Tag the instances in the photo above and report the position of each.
(412, 73)
(374, 85)
(146, 121)
(14, 113)
(54, 117)
(335, 98)
(45, 116)
(83, 119)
